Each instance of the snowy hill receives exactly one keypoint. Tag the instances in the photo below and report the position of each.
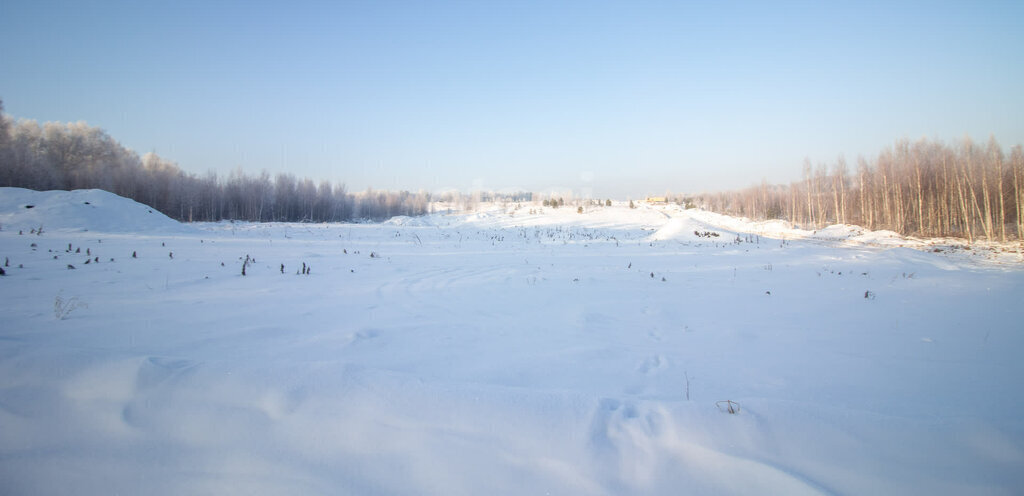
(510, 350)
(85, 210)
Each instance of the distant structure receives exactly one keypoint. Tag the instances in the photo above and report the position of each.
(657, 200)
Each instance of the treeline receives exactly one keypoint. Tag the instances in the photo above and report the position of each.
(922, 188)
(69, 156)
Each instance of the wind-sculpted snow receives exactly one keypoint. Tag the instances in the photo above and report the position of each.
(504, 351)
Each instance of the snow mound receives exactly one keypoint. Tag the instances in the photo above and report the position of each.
(859, 235)
(688, 228)
(838, 232)
(405, 220)
(885, 238)
(78, 210)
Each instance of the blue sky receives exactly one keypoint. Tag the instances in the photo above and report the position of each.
(618, 99)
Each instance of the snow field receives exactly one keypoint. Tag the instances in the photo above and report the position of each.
(502, 354)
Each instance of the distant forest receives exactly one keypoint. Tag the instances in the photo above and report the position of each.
(921, 188)
(77, 156)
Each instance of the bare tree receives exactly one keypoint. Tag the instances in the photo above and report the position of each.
(924, 188)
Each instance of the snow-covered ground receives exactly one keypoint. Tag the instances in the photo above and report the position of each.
(502, 351)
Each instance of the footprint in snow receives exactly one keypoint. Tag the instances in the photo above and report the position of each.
(651, 365)
(363, 335)
(625, 435)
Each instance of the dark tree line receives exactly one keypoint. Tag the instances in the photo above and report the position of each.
(921, 188)
(77, 156)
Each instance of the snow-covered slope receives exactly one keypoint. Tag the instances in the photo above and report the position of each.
(504, 351)
(84, 210)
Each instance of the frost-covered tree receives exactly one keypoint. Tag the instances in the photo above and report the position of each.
(74, 155)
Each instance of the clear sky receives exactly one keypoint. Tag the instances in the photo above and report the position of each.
(618, 99)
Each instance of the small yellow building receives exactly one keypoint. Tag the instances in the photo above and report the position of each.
(657, 200)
